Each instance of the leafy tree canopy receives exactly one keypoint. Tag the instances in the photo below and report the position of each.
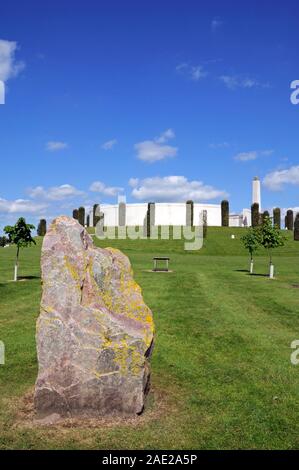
(20, 233)
(251, 240)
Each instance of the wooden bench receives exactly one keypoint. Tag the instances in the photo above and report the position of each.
(161, 258)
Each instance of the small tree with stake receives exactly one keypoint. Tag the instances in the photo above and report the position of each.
(19, 235)
(270, 238)
(251, 241)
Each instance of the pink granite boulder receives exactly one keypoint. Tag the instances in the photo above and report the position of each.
(94, 332)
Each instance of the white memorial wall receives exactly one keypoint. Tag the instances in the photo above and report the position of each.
(165, 214)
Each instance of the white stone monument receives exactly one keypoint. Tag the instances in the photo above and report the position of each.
(256, 191)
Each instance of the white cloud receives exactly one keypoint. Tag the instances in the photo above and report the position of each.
(173, 188)
(219, 145)
(56, 193)
(195, 72)
(99, 187)
(165, 136)
(109, 144)
(253, 155)
(21, 205)
(275, 180)
(54, 146)
(155, 150)
(246, 156)
(9, 67)
(216, 23)
(233, 82)
(133, 182)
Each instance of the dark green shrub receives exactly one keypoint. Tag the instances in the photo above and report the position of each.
(205, 223)
(42, 228)
(81, 216)
(296, 228)
(75, 214)
(150, 218)
(290, 220)
(88, 221)
(255, 215)
(3, 241)
(277, 217)
(189, 213)
(96, 217)
(225, 213)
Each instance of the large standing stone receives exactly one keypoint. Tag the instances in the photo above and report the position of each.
(94, 332)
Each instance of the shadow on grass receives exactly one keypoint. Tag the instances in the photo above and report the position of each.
(248, 273)
(25, 278)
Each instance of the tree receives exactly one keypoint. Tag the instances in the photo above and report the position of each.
(255, 215)
(75, 214)
(225, 213)
(19, 235)
(270, 238)
(251, 241)
(81, 216)
(42, 228)
(3, 241)
(277, 217)
(88, 220)
(296, 228)
(290, 220)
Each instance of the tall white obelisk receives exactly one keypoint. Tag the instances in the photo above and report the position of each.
(256, 191)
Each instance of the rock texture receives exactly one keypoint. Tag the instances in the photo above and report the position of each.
(94, 332)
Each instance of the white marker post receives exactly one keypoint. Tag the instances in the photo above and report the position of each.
(271, 271)
(2, 353)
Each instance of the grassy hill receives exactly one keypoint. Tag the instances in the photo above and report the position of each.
(218, 243)
(221, 371)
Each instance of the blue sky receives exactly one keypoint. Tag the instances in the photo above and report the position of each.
(160, 101)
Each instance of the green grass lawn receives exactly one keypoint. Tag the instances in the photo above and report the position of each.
(221, 371)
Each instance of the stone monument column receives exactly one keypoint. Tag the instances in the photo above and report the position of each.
(256, 191)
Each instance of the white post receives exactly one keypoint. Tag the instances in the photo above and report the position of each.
(251, 266)
(271, 271)
(256, 191)
(16, 272)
